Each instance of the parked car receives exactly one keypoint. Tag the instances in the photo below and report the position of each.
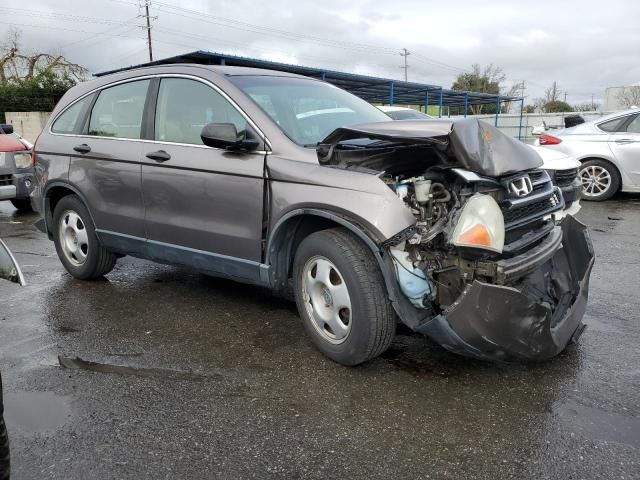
(608, 149)
(9, 270)
(445, 225)
(564, 173)
(404, 113)
(16, 172)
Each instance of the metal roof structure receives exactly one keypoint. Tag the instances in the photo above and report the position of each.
(372, 89)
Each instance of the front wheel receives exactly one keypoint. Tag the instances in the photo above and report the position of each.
(600, 180)
(76, 241)
(341, 297)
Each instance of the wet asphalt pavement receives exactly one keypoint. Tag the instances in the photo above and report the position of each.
(200, 378)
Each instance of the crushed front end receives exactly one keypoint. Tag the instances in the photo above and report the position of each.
(486, 271)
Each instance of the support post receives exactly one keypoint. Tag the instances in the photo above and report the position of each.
(426, 102)
(520, 126)
(222, 62)
(466, 103)
(440, 104)
(391, 93)
(322, 76)
(497, 109)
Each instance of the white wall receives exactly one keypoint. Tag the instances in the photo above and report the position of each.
(27, 124)
(509, 122)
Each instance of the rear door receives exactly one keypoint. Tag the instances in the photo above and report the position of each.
(106, 164)
(625, 145)
(203, 205)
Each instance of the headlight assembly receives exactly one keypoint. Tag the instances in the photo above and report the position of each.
(480, 225)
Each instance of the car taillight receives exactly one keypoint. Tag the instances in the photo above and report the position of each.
(548, 140)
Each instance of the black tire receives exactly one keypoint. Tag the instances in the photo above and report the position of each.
(599, 165)
(5, 462)
(99, 261)
(372, 319)
(22, 204)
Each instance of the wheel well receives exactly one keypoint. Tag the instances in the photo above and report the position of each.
(283, 245)
(53, 196)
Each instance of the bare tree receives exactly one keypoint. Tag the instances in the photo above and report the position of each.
(513, 91)
(551, 94)
(485, 80)
(629, 96)
(586, 107)
(18, 65)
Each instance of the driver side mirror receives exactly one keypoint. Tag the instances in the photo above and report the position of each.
(9, 268)
(225, 135)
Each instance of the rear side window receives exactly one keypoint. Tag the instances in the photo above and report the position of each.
(68, 121)
(118, 111)
(612, 125)
(185, 106)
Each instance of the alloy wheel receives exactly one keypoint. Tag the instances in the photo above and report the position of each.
(596, 181)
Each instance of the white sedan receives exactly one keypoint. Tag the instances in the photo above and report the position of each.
(609, 152)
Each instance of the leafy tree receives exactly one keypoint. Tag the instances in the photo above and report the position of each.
(483, 80)
(31, 81)
(557, 106)
(529, 109)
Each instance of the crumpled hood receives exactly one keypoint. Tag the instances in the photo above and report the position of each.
(469, 143)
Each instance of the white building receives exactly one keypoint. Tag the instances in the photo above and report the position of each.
(612, 101)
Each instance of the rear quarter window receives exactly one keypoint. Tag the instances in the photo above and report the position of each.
(68, 121)
(612, 125)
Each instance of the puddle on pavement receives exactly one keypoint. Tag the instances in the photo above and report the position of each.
(35, 412)
(78, 363)
(598, 424)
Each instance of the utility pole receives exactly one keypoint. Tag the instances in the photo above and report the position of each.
(565, 97)
(405, 53)
(147, 4)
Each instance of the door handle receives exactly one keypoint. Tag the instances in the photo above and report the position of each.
(159, 156)
(84, 148)
(624, 140)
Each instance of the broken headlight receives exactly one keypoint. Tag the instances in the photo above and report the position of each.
(480, 225)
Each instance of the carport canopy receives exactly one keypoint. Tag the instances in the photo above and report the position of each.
(372, 89)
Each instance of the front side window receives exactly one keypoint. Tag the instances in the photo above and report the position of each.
(306, 110)
(118, 111)
(67, 122)
(185, 106)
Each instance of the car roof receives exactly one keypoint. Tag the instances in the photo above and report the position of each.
(610, 116)
(11, 143)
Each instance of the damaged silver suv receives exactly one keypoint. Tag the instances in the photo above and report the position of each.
(257, 176)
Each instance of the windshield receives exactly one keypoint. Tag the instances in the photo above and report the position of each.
(407, 115)
(307, 110)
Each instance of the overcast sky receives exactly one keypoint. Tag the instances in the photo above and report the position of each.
(585, 45)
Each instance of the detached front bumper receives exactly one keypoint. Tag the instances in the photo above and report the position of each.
(532, 317)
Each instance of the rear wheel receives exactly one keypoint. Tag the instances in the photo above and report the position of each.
(600, 180)
(341, 297)
(22, 204)
(76, 241)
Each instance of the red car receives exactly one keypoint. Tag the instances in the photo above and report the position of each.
(16, 169)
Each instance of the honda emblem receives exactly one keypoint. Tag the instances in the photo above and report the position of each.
(521, 187)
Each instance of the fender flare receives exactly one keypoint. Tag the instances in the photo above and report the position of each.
(47, 215)
(409, 315)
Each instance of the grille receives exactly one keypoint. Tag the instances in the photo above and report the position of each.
(565, 177)
(518, 214)
(5, 180)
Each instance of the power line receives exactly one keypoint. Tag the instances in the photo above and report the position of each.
(405, 53)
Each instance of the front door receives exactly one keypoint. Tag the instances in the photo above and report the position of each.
(625, 145)
(203, 206)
